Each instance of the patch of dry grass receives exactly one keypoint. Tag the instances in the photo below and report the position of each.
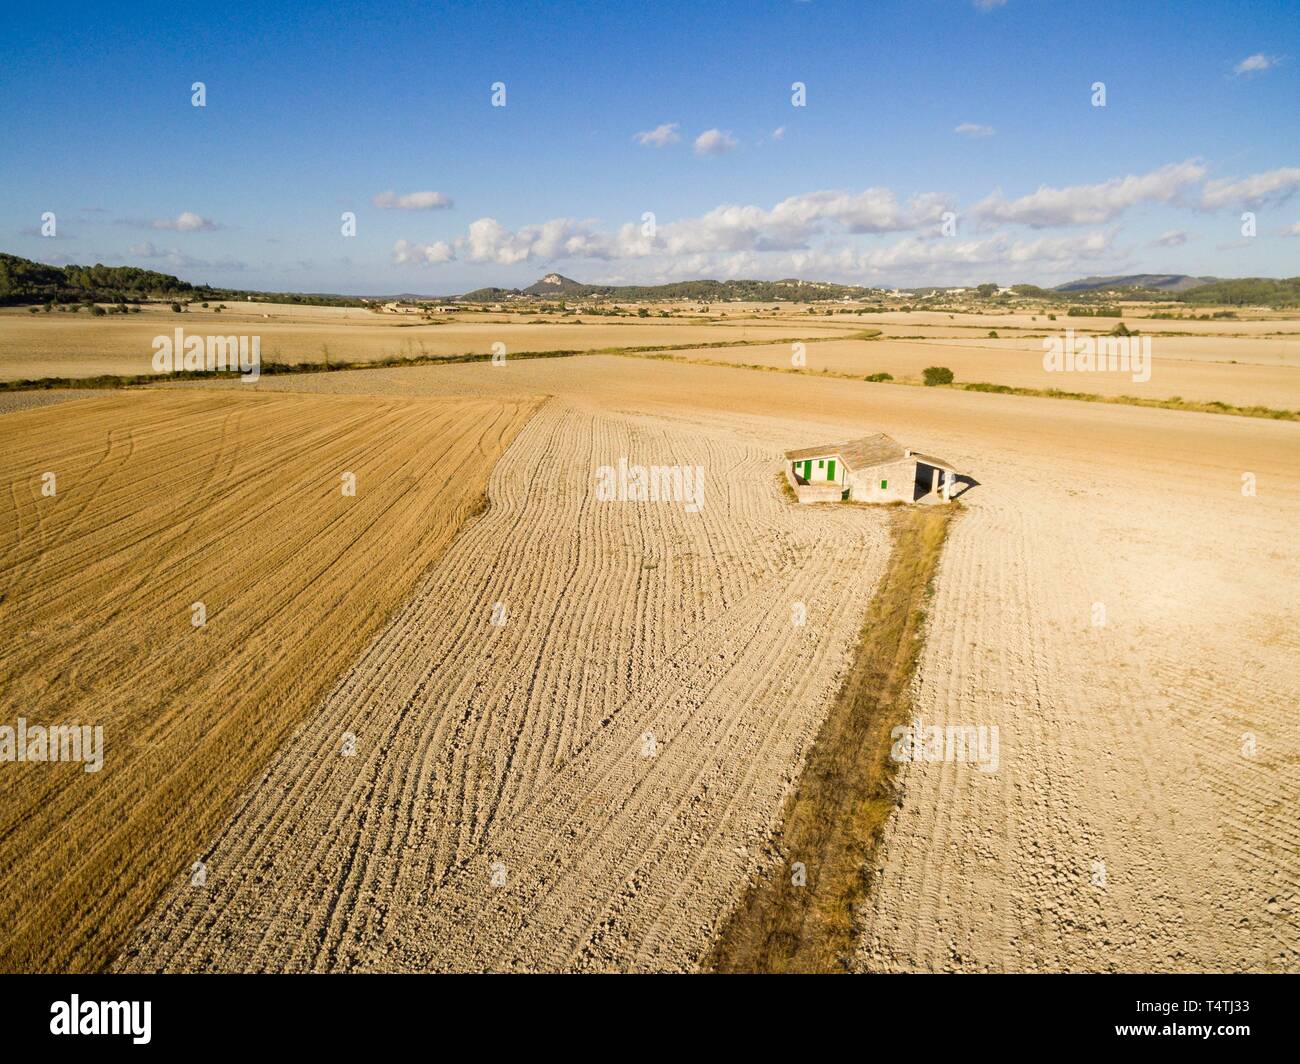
(837, 814)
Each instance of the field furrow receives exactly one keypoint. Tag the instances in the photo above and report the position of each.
(586, 786)
(164, 501)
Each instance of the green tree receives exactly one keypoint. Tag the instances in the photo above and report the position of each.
(936, 375)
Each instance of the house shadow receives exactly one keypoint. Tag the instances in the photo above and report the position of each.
(927, 479)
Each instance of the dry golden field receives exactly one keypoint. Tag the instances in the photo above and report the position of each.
(1126, 828)
(616, 751)
(1245, 373)
(499, 812)
(77, 346)
(1250, 361)
(165, 500)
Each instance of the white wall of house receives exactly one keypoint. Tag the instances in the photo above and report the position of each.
(828, 469)
(892, 482)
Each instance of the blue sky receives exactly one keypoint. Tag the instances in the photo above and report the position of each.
(311, 114)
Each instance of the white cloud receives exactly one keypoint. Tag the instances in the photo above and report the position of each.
(1171, 238)
(996, 250)
(726, 243)
(917, 259)
(407, 254)
(778, 133)
(972, 129)
(412, 201)
(1292, 230)
(1256, 64)
(179, 260)
(35, 230)
(1272, 186)
(659, 136)
(988, 5)
(804, 235)
(1089, 204)
(727, 229)
(714, 142)
(487, 240)
(185, 222)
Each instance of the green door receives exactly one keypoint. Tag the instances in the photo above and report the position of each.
(830, 470)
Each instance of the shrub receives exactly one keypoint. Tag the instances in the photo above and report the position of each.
(881, 377)
(33, 310)
(936, 375)
(98, 311)
(1120, 330)
(176, 308)
(993, 334)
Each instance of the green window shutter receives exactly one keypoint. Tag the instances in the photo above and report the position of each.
(884, 484)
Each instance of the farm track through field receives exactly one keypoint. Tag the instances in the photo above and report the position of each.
(164, 500)
(502, 810)
(800, 917)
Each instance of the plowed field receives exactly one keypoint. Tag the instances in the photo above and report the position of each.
(165, 500)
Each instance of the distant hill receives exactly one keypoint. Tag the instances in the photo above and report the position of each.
(1204, 291)
(490, 295)
(789, 290)
(554, 284)
(24, 281)
(1247, 292)
(1156, 282)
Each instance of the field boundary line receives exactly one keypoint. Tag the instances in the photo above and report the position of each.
(131, 380)
(834, 819)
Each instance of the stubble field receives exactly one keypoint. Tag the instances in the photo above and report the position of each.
(163, 501)
(500, 812)
(77, 346)
(1237, 372)
(1131, 825)
(588, 784)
